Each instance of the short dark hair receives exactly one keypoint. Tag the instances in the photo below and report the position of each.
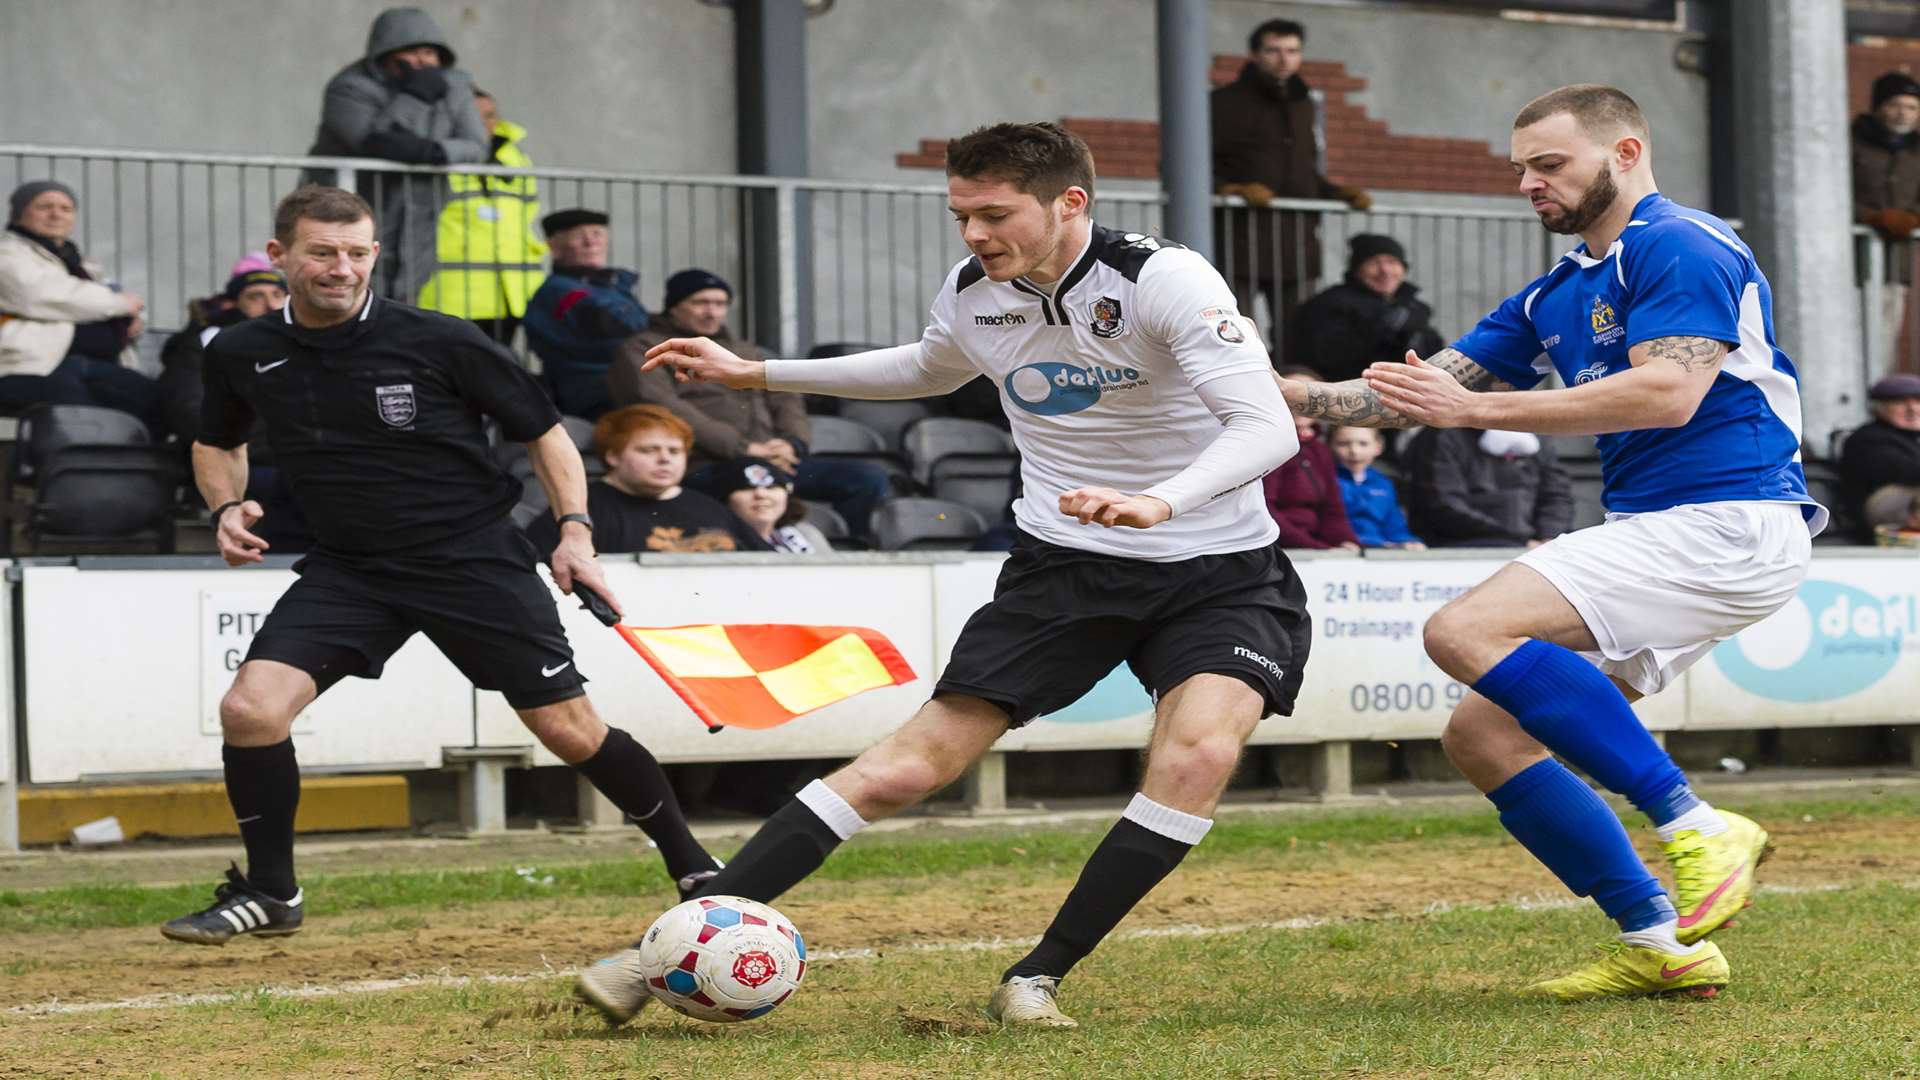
(317, 202)
(1041, 160)
(1601, 111)
(1278, 28)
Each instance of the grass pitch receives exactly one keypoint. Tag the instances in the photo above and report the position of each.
(1305, 944)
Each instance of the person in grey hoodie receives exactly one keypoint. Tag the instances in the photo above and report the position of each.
(404, 101)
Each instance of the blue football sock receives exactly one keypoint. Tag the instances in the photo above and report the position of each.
(1576, 712)
(1566, 826)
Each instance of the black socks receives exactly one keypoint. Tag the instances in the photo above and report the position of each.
(792, 844)
(263, 785)
(628, 775)
(1129, 862)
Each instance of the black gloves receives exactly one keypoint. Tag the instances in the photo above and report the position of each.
(426, 83)
(403, 146)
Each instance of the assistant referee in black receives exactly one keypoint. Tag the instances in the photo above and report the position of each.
(374, 412)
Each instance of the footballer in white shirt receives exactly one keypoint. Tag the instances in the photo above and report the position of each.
(1145, 410)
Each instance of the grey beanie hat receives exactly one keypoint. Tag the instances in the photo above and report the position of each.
(32, 190)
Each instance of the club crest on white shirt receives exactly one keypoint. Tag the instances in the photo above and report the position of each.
(1107, 322)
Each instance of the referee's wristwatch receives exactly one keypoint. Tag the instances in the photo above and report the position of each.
(581, 518)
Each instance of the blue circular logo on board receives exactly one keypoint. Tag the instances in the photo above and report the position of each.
(1831, 641)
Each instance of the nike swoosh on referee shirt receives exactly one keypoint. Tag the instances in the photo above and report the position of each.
(262, 369)
(548, 673)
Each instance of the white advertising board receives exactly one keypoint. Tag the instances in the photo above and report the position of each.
(125, 670)
(1845, 651)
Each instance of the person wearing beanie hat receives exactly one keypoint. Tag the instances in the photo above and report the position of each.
(1373, 314)
(68, 335)
(730, 423)
(1886, 157)
(1886, 450)
(760, 493)
(254, 288)
(580, 314)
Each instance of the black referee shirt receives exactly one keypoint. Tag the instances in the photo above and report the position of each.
(376, 423)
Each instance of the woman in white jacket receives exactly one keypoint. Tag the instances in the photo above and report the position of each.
(64, 333)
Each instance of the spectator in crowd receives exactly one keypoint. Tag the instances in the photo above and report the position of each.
(1893, 514)
(1373, 315)
(1471, 488)
(730, 423)
(1886, 196)
(1886, 450)
(581, 313)
(640, 504)
(488, 256)
(1303, 495)
(254, 288)
(67, 336)
(1373, 506)
(760, 493)
(1269, 141)
(404, 101)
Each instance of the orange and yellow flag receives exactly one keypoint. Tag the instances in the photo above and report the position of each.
(761, 676)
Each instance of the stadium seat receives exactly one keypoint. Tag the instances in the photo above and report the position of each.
(828, 521)
(989, 496)
(838, 435)
(914, 524)
(936, 438)
(890, 418)
(48, 431)
(98, 494)
(1823, 483)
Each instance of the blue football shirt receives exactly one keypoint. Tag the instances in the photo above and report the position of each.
(1673, 272)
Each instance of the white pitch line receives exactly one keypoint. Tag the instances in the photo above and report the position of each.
(149, 1002)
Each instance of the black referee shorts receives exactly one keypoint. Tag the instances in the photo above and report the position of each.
(1061, 619)
(478, 600)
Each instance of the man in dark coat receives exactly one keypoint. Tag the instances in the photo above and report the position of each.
(1269, 141)
(1371, 316)
(1469, 488)
(1885, 451)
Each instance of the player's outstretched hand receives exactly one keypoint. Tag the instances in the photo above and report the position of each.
(237, 544)
(1428, 394)
(1105, 506)
(701, 360)
(573, 562)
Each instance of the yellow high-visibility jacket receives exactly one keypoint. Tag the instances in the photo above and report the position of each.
(488, 252)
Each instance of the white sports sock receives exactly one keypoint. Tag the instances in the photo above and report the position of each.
(1661, 939)
(1173, 824)
(1702, 819)
(836, 812)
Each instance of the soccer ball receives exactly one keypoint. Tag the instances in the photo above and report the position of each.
(723, 958)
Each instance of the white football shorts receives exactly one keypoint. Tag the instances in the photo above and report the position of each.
(1660, 590)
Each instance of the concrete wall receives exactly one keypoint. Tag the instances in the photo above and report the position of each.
(648, 84)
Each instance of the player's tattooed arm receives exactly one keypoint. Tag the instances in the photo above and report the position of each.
(1355, 403)
(1691, 354)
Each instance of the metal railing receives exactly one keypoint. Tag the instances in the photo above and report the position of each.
(853, 261)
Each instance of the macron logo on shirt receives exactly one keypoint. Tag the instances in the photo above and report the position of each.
(1005, 318)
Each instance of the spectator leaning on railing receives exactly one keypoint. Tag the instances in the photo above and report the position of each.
(730, 423)
(581, 313)
(404, 101)
(1471, 488)
(1884, 451)
(488, 257)
(1269, 141)
(66, 335)
(1374, 315)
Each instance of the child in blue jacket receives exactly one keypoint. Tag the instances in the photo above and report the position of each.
(1372, 504)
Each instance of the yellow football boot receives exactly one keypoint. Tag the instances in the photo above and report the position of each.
(1637, 971)
(1713, 875)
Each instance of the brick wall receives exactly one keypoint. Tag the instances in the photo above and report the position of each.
(1361, 151)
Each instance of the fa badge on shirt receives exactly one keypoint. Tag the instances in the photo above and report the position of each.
(395, 404)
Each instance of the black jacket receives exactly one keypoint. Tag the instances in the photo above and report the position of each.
(1342, 330)
(1875, 455)
(1461, 496)
(376, 424)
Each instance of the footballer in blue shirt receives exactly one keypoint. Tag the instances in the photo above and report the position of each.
(1660, 326)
